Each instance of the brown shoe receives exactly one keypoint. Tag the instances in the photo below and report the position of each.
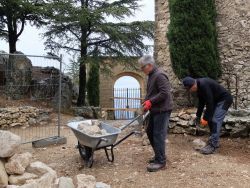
(154, 167)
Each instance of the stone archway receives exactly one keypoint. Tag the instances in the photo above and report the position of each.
(107, 83)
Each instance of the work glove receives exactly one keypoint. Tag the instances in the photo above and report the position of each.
(204, 123)
(147, 105)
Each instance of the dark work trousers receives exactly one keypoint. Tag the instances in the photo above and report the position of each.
(216, 123)
(157, 133)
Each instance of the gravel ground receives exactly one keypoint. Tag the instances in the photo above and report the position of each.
(229, 167)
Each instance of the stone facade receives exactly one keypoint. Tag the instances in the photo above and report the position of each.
(107, 81)
(233, 25)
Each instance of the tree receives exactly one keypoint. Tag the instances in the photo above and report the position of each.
(14, 14)
(93, 83)
(83, 25)
(193, 39)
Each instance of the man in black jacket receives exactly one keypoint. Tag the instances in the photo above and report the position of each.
(217, 101)
(159, 101)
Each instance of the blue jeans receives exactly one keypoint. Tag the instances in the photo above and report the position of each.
(216, 123)
(157, 133)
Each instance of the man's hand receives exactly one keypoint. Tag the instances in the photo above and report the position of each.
(204, 122)
(147, 105)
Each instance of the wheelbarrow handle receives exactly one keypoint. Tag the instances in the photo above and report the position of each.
(136, 118)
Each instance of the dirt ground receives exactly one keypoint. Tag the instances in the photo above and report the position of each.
(229, 167)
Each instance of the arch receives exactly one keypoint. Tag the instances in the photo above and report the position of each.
(135, 75)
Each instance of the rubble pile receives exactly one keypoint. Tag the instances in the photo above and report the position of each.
(19, 170)
(92, 127)
(236, 123)
(23, 117)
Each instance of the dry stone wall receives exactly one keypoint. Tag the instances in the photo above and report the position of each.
(233, 25)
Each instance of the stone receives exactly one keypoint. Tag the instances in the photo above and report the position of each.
(9, 143)
(85, 112)
(18, 163)
(65, 182)
(19, 76)
(32, 121)
(85, 181)
(47, 175)
(178, 130)
(39, 168)
(198, 144)
(102, 185)
(185, 117)
(241, 131)
(21, 179)
(182, 123)
(3, 174)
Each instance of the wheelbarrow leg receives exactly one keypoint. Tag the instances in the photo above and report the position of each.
(110, 159)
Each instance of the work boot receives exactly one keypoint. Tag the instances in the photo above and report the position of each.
(152, 160)
(153, 167)
(208, 149)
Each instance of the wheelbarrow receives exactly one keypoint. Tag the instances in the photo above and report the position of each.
(88, 144)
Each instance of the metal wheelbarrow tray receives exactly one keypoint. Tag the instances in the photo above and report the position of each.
(88, 144)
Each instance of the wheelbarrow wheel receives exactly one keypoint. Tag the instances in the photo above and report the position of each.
(87, 154)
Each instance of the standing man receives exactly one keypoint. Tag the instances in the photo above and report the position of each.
(159, 101)
(217, 101)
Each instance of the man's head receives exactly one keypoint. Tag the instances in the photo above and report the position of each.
(147, 64)
(190, 84)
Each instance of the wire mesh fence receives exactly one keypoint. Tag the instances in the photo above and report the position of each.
(30, 95)
(126, 102)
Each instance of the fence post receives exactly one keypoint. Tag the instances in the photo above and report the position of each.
(60, 97)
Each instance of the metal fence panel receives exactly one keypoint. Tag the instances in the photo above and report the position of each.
(30, 91)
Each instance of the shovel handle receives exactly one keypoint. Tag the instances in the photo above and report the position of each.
(133, 120)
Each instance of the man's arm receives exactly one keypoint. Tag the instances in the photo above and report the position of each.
(208, 95)
(163, 85)
(200, 108)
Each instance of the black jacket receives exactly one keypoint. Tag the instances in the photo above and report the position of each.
(210, 93)
(159, 92)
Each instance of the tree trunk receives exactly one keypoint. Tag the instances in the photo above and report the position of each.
(82, 84)
(82, 71)
(12, 43)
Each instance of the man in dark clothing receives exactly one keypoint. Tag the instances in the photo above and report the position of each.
(217, 101)
(159, 101)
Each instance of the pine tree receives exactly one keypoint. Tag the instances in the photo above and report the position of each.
(14, 14)
(83, 25)
(193, 39)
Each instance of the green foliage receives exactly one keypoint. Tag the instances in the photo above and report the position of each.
(14, 14)
(93, 83)
(193, 38)
(82, 26)
(73, 70)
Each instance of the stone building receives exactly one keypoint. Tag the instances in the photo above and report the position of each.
(233, 26)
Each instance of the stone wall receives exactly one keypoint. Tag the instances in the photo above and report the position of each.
(162, 54)
(233, 24)
(23, 117)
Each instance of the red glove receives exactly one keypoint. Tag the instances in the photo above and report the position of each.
(147, 105)
(204, 122)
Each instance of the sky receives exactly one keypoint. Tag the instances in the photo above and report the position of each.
(31, 42)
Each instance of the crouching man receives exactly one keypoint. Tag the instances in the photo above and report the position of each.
(217, 101)
(159, 101)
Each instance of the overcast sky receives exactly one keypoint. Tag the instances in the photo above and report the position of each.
(31, 42)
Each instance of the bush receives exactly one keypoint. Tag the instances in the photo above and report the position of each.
(193, 39)
(93, 84)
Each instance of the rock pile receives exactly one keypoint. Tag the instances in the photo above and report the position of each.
(236, 123)
(23, 116)
(92, 127)
(88, 112)
(19, 170)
